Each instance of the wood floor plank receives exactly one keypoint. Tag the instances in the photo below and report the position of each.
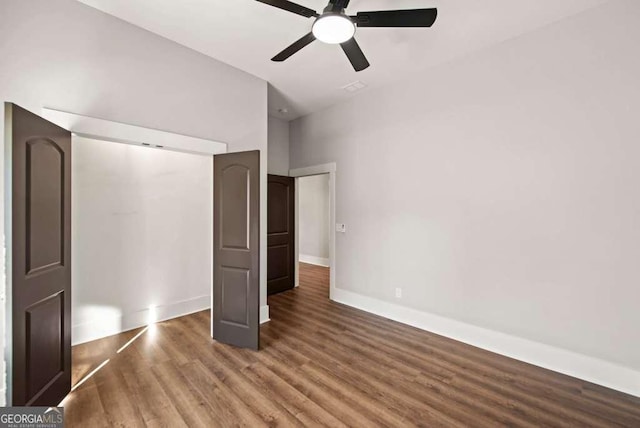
(335, 395)
(305, 410)
(255, 397)
(324, 364)
(85, 409)
(152, 401)
(186, 399)
(115, 396)
(229, 409)
(346, 409)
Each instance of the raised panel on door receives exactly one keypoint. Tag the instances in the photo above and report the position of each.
(236, 286)
(278, 213)
(44, 194)
(40, 251)
(236, 258)
(44, 335)
(280, 234)
(234, 208)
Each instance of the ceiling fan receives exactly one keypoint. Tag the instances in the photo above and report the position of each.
(334, 26)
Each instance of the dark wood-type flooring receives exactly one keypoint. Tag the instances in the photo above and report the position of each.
(322, 363)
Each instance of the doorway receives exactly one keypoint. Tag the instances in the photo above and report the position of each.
(142, 225)
(315, 219)
(314, 229)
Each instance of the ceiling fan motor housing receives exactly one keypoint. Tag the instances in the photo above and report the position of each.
(333, 27)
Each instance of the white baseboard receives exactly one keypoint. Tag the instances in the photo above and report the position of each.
(103, 327)
(559, 360)
(264, 314)
(320, 261)
(108, 326)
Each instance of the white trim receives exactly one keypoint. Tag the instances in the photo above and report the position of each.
(296, 234)
(559, 360)
(325, 168)
(318, 261)
(264, 314)
(91, 127)
(7, 298)
(331, 169)
(100, 327)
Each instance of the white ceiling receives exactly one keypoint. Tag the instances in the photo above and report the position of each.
(246, 34)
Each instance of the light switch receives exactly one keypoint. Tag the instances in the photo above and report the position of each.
(341, 227)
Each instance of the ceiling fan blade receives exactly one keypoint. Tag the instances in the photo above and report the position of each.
(397, 18)
(291, 7)
(339, 5)
(355, 55)
(295, 47)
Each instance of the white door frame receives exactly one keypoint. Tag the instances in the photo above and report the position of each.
(327, 168)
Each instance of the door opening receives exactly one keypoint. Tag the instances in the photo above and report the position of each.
(315, 219)
(314, 229)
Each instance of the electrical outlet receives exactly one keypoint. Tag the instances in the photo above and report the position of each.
(398, 293)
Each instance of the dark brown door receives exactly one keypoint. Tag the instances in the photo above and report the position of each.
(236, 249)
(40, 251)
(280, 234)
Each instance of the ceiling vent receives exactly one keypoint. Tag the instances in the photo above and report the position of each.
(355, 86)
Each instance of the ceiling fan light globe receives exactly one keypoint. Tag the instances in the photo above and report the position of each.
(333, 28)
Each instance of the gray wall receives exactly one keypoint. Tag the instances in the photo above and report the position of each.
(278, 146)
(65, 55)
(500, 190)
(314, 218)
